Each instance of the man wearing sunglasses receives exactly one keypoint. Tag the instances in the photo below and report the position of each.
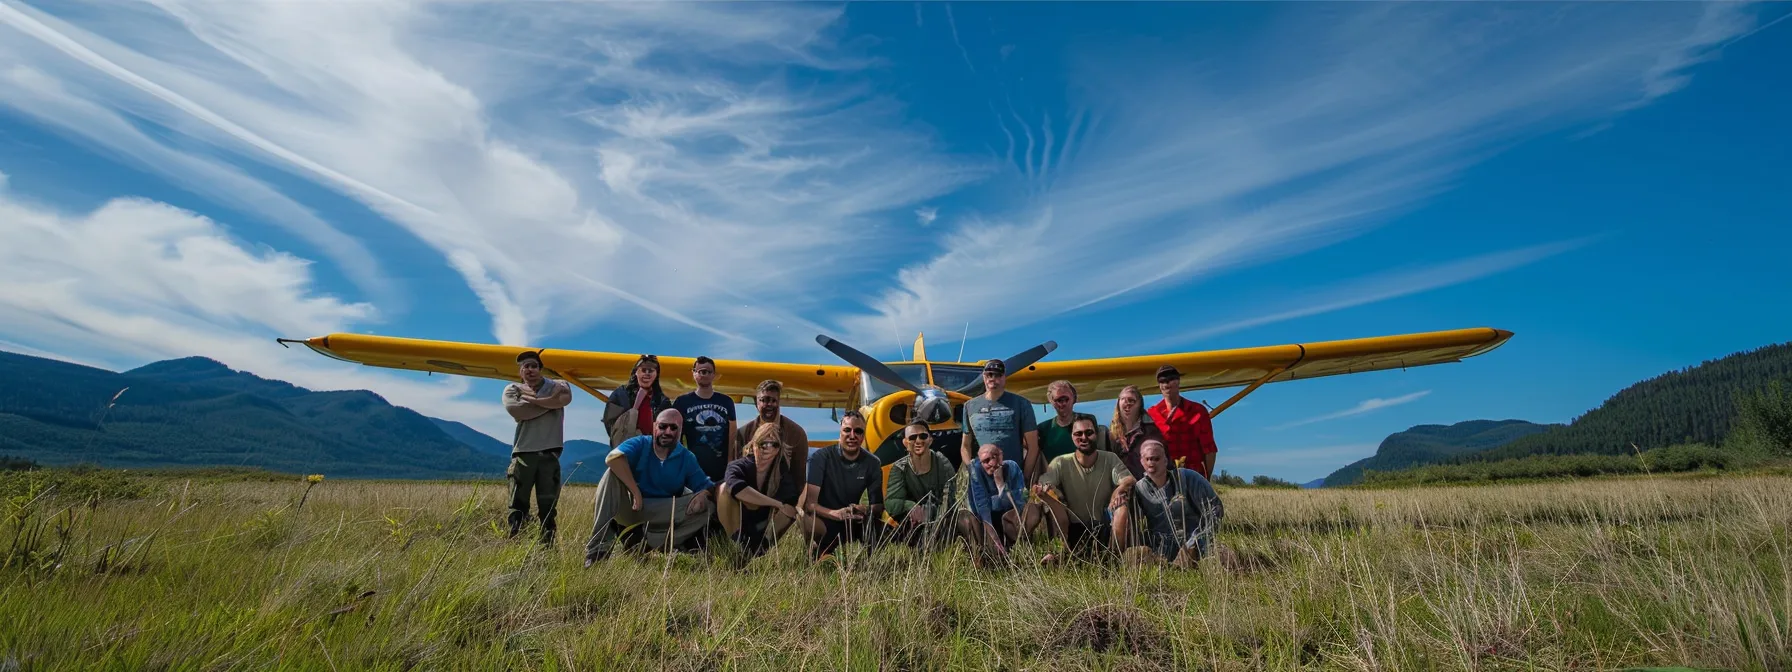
(1055, 441)
(1086, 494)
(1186, 426)
(539, 407)
(653, 485)
(919, 486)
(839, 476)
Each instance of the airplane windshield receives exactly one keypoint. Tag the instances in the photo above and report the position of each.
(955, 377)
(877, 389)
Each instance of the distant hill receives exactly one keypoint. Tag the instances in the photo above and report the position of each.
(1315, 483)
(474, 438)
(1428, 444)
(1692, 405)
(196, 411)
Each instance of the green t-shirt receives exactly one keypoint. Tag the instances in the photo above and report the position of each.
(1086, 491)
(1055, 440)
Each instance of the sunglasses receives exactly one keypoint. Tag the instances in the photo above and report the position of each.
(852, 430)
(1061, 400)
(915, 437)
(668, 426)
(1084, 432)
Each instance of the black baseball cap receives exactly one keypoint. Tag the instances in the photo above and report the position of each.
(1168, 371)
(996, 365)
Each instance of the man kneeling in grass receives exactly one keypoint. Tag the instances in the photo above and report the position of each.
(839, 476)
(643, 487)
(1179, 507)
(997, 494)
(1085, 494)
(757, 500)
(918, 491)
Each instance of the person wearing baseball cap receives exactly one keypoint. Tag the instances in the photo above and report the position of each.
(539, 407)
(1002, 418)
(1186, 426)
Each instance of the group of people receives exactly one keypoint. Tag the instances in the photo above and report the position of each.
(682, 471)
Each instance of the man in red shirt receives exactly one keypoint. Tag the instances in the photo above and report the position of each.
(1186, 426)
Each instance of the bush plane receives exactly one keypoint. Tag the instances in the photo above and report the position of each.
(892, 394)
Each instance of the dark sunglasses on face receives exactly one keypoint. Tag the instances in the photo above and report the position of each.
(1061, 400)
(1083, 432)
(668, 426)
(915, 437)
(852, 430)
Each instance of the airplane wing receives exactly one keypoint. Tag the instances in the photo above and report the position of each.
(805, 385)
(1099, 379)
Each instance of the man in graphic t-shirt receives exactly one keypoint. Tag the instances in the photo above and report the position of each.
(1004, 419)
(709, 430)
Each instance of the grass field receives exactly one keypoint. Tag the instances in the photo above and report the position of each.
(207, 573)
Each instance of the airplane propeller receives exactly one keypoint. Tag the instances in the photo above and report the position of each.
(1022, 360)
(866, 363)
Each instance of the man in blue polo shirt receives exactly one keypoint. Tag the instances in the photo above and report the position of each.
(652, 481)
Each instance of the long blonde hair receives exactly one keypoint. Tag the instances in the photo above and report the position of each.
(1117, 428)
(768, 431)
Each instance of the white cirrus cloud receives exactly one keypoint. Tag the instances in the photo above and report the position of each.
(135, 281)
(1314, 131)
(926, 216)
(1364, 406)
(569, 162)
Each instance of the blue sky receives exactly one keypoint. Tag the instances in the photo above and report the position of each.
(731, 179)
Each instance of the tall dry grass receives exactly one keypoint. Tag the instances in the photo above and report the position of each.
(380, 575)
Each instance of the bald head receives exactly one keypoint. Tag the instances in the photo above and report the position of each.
(667, 427)
(1154, 457)
(989, 456)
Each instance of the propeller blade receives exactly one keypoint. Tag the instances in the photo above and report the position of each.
(1029, 356)
(866, 363)
(1023, 360)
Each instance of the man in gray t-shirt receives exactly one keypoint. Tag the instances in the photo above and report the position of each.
(539, 407)
(1002, 418)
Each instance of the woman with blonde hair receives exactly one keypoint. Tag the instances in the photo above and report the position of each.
(758, 499)
(1131, 428)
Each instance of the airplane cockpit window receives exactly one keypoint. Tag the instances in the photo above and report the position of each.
(876, 389)
(955, 377)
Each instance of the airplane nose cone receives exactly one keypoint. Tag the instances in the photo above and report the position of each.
(932, 407)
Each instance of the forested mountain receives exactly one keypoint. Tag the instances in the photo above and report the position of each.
(1428, 444)
(1693, 405)
(196, 411)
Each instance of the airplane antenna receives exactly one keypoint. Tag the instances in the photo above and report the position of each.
(961, 340)
(895, 332)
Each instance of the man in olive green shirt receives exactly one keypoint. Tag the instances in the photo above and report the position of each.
(1085, 493)
(1054, 442)
(919, 485)
(539, 407)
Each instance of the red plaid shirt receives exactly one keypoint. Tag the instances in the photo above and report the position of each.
(1188, 434)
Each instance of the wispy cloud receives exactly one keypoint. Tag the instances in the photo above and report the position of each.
(925, 216)
(1383, 287)
(576, 205)
(1362, 407)
(136, 280)
(1321, 128)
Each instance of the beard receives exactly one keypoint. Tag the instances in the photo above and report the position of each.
(1086, 450)
(665, 441)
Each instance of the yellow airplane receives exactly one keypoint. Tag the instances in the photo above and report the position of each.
(891, 394)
